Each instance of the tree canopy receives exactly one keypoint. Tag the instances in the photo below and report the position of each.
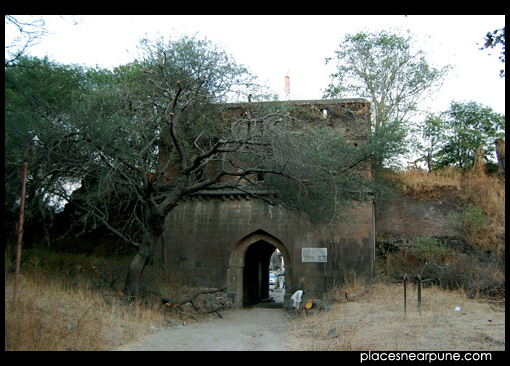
(386, 69)
(124, 146)
(495, 39)
(453, 137)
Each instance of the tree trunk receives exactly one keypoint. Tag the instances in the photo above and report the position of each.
(500, 152)
(155, 223)
(135, 269)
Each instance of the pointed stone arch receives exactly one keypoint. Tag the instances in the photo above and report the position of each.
(235, 281)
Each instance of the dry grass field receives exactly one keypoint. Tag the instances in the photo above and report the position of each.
(62, 307)
(376, 321)
(58, 314)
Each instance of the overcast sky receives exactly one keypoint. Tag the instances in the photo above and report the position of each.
(275, 46)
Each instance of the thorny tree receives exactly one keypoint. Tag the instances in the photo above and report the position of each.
(162, 129)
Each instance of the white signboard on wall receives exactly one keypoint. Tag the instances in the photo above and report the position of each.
(314, 255)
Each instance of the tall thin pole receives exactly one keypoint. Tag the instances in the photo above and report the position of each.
(20, 225)
(405, 294)
(418, 278)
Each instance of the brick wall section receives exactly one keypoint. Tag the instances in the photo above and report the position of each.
(351, 116)
(403, 219)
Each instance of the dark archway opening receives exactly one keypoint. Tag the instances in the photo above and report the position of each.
(256, 273)
(248, 273)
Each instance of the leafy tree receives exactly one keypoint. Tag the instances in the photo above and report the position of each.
(143, 136)
(384, 69)
(432, 135)
(493, 39)
(38, 94)
(460, 131)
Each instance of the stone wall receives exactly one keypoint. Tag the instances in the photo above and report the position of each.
(404, 219)
(224, 238)
(204, 235)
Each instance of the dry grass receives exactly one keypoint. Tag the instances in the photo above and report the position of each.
(421, 184)
(488, 193)
(66, 306)
(50, 319)
(475, 189)
(376, 321)
(479, 199)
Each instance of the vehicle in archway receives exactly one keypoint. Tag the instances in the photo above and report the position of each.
(272, 279)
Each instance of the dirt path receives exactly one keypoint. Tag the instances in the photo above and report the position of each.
(250, 329)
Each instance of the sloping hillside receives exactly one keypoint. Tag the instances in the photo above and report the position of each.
(406, 217)
(467, 206)
(447, 226)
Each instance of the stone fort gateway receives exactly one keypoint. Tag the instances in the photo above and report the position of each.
(225, 238)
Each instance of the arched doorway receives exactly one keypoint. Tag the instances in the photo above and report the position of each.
(248, 275)
(256, 272)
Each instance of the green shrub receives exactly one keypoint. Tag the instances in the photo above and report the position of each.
(474, 220)
(386, 245)
(428, 249)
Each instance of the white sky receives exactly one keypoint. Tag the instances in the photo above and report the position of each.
(274, 46)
